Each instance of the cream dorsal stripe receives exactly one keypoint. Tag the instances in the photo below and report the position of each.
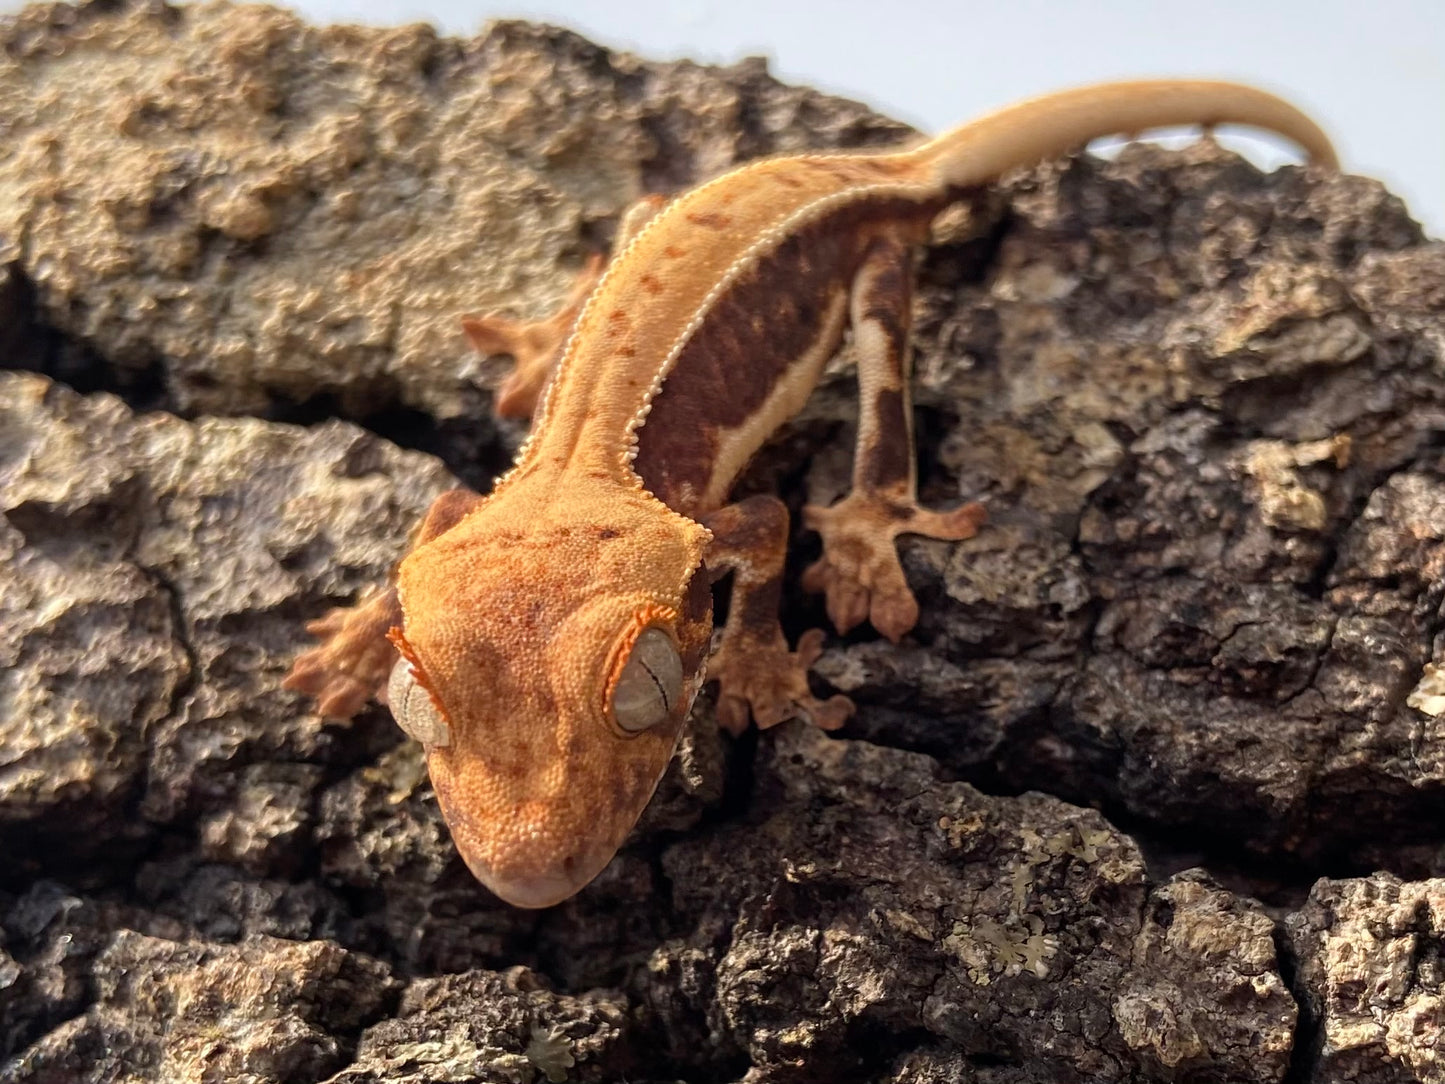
(592, 371)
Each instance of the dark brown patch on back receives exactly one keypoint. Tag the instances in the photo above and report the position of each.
(889, 295)
(709, 220)
(769, 317)
(887, 461)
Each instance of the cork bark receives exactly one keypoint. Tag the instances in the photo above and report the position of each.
(1155, 792)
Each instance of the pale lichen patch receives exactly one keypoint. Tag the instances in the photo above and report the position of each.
(1283, 497)
(1428, 695)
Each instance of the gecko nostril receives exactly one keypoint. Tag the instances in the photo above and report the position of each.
(569, 865)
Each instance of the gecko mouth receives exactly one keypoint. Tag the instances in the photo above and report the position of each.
(540, 888)
(524, 859)
(532, 892)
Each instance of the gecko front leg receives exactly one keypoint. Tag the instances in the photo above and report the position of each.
(756, 673)
(354, 659)
(859, 571)
(536, 345)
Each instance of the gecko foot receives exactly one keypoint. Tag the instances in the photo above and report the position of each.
(859, 572)
(354, 659)
(759, 677)
(535, 345)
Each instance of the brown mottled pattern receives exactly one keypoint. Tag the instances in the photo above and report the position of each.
(748, 340)
(889, 460)
(753, 534)
(890, 293)
(629, 329)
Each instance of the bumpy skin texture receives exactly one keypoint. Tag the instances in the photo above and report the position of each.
(1137, 631)
(708, 331)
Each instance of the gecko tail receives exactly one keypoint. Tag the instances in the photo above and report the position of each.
(1061, 123)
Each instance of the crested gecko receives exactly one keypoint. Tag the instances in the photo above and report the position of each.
(545, 642)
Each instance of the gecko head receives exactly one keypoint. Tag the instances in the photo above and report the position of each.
(550, 651)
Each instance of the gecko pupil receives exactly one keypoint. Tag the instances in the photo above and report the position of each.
(661, 689)
(650, 683)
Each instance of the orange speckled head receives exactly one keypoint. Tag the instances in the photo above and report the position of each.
(521, 623)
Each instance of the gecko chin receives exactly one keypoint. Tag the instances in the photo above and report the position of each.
(542, 888)
(535, 894)
(534, 853)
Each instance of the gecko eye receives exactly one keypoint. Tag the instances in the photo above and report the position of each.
(650, 683)
(412, 707)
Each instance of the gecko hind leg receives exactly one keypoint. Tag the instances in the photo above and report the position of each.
(859, 572)
(536, 345)
(757, 675)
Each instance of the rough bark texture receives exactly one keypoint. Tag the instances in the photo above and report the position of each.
(1203, 404)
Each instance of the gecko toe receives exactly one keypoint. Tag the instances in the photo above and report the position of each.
(492, 334)
(859, 573)
(329, 624)
(343, 699)
(829, 714)
(810, 648)
(862, 582)
(353, 660)
(894, 613)
(534, 345)
(955, 525)
(846, 599)
(759, 678)
(732, 714)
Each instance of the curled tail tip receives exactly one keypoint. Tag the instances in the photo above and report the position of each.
(1327, 160)
(1061, 123)
(1322, 153)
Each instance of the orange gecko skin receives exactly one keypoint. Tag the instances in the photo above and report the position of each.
(550, 637)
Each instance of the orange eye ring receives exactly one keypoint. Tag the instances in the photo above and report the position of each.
(631, 676)
(418, 671)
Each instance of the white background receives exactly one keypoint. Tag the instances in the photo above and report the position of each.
(1372, 72)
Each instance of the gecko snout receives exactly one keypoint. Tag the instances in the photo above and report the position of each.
(539, 886)
(536, 891)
